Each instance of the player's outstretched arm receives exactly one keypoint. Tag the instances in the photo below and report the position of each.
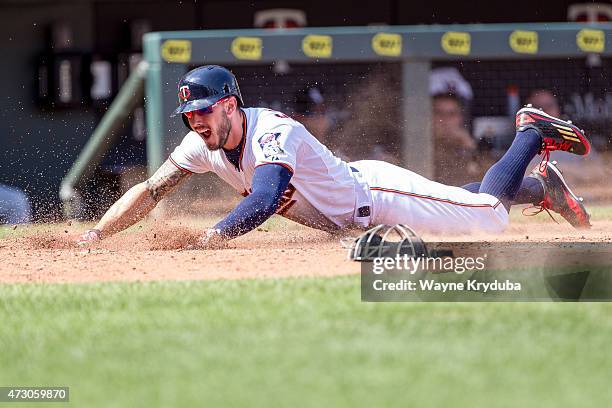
(137, 202)
(269, 183)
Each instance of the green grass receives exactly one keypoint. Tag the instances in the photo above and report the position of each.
(298, 342)
(601, 212)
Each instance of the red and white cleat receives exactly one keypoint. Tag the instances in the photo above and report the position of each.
(559, 198)
(556, 134)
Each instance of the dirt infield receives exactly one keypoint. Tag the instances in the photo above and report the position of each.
(153, 255)
(49, 255)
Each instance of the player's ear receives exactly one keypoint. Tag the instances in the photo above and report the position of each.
(231, 106)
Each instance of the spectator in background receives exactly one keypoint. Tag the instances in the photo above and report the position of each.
(545, 100)
(454, 148)
(310, 109)
(448, 80)
(14, 206)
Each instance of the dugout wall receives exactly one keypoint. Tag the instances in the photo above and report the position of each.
(411, 50)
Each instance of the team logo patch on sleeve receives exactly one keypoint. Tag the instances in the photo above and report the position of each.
(271, 146)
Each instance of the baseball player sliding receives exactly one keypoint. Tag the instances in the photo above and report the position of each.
(279, 167)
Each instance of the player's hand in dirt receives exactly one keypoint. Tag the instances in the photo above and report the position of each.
(211, 239)
(91, 235)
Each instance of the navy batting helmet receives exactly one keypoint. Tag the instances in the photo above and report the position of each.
(203, 86)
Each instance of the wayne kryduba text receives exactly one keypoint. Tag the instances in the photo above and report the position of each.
(413, 264)
(459, 265)
(431, 285)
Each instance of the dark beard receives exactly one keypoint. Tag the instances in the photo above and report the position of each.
(223, 131)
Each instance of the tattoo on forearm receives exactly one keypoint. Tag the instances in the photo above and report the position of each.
(165, 179)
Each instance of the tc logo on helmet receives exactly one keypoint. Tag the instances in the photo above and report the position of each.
(184, 93)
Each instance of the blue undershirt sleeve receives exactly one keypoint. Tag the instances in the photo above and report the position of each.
(269, 183)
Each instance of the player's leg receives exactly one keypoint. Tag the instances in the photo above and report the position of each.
(546, 189)
(472, 187)
(531, 191)
(400, 196)
(504, 178)
(558, 197)
(537, 132)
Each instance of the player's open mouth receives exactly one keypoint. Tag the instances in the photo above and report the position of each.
(204, 134)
